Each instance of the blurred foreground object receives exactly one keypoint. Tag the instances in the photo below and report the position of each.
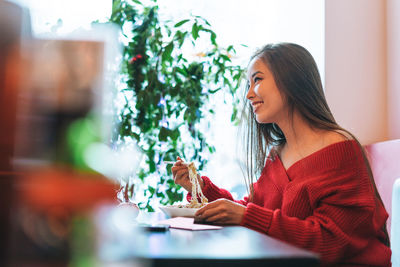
(53, 219)
(60, 113)
(62, 87)
(12, 31)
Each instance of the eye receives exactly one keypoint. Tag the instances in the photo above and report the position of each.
(256, 79)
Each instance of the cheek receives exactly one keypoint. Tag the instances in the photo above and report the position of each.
(258, 90)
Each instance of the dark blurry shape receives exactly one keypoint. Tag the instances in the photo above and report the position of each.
(154, 227)
(53, 216)
(14, 27)
(63, 87)
(58, 116)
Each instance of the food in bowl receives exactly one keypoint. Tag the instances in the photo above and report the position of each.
(179, 211)
(198, 199)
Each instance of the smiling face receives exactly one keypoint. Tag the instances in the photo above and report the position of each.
(266, 100)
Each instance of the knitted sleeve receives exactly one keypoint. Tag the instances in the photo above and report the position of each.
(213, 192)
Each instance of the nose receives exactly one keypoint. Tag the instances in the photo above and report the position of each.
(250, 93)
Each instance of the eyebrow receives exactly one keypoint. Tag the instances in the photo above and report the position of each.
(255, 73)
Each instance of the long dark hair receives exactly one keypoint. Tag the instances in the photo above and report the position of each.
(297, 77)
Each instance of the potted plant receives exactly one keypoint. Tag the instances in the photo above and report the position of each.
(165, 94)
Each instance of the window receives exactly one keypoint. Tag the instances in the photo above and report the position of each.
(253, 23)
(61, 17)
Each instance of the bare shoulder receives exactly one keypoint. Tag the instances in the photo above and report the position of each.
(332, 137)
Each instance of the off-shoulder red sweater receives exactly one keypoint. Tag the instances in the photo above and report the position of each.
(324, 203)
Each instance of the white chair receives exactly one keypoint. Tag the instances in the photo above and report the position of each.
(395, 230)
(385, 165)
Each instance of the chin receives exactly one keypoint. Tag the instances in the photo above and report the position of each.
(261, 120)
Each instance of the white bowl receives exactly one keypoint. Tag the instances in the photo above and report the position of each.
(175, 211)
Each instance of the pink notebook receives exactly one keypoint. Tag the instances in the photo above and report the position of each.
(187, 224)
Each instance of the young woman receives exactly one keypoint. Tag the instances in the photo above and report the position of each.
(316, 189)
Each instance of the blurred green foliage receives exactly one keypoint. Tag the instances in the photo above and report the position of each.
(167, 91)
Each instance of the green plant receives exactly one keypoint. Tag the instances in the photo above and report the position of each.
(166, 92)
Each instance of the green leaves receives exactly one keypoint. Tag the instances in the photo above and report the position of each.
(180, 23)
(166, 92)
(166, 56)
(195, 31)
(167, 133)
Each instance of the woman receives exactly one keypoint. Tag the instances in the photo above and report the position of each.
(316, 188)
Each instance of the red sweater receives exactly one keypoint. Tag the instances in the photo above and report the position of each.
(324, 203)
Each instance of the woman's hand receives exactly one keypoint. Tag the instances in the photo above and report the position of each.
(222, 212)
(180, 173)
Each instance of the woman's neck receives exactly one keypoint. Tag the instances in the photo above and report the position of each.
(298, 133)
(303, 139)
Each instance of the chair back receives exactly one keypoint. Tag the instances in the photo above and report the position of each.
(384, 158)
(395, 233)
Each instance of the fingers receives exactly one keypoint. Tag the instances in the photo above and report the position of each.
(209, 210)
(212, 215)
(220, 218)
(212, 205)
(181, 175)
(222, 211)
(178, 171)
(177, 168)
(179, 163)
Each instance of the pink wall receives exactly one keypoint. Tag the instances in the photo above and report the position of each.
(393, 53)
(356, 66)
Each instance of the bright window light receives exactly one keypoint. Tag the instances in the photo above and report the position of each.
(61, 17)
(252, 22)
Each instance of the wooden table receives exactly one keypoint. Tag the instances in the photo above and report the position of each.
(230, 246)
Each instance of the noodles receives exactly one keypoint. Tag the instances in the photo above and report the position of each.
(196, 189)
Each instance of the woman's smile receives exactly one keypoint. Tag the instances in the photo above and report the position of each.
(265, 98)
(256, 105)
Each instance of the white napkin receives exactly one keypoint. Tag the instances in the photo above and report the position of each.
(187, 224)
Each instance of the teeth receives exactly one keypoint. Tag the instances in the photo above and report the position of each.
(256, 105)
